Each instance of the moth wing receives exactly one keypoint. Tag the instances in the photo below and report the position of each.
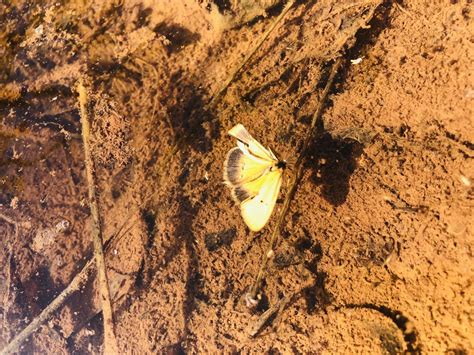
(249, 189)
(254, 147)
(239, 132)
(272, 154)
(256, 211)
(240, 167)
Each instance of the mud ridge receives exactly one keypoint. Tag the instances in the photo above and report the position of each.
(410, 334)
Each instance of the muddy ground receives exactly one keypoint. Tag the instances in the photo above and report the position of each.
(376, 252)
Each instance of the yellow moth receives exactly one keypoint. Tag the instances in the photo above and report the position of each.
(254, 175)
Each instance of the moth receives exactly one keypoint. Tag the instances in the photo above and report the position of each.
(254, 175)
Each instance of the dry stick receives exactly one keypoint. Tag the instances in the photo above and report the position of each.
(294, 182)
(251, 53)
(264, 319)
(110, 343)
(75, 284)
(8, 272)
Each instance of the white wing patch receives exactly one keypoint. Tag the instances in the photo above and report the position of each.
(257, 210)
(253, 146)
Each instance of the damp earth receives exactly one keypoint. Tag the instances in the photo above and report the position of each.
(375, 254)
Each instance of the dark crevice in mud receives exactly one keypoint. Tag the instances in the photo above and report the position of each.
(332, 162)
(467, 144)
(410, 335)
(149, 218)
(184, 235)
(316, 296)
(366, 38)
(140, 278)
(144, 273)
(194, 281)
(263, 304)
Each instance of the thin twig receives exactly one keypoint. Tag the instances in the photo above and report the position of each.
(268, 315)
(8, 272)
(341, 9)
(405, 11)
(110, 343)
(234, 73)
(75, 284)
(252, 295)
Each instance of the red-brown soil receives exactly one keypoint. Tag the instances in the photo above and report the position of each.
(376, 251)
